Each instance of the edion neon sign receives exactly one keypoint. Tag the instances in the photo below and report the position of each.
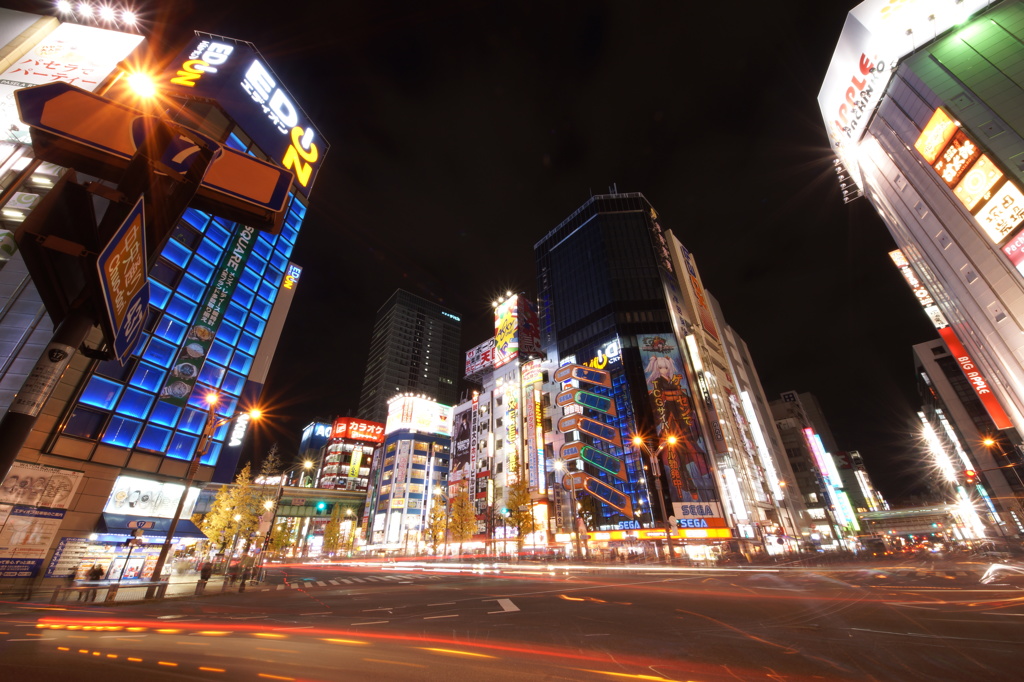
(233, 74)
(291, 276)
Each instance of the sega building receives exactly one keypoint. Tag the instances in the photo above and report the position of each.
(410, 466)
(219, 293)
(922, 103)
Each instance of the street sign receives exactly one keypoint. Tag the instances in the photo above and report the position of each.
(75, 128)
(583, 373)
(579, 480)
(122, 270)
(141, 524)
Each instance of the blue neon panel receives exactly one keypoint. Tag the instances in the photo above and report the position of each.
(243, 296)
(211, 374)
(191, 287)
(228, 333)
(298, 208)
(219, 352)
(176, 252)
(261, 308)
(122, 431)
(160, 352)
(235, 314)
(182, 446)
(154, 438)
(212, 454)
(289, 232)
(262, 247)
(248, 343)
(255, 325)
(280, 260)
(193, 420)
(218, 233)
(241, 362)
(158, 294)
(249, 279)
(234, 143)
(100, 392)
(182, 308)
(209, 250)
(135, 403)
(268, 291)
(165, 413)
(256, 264)
(233, 383)
(201, 269)
(170, 329)
(149, 377)
(196, 219)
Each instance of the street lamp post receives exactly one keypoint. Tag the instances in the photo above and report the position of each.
(656, 467)
(212, 424)
(560, 465)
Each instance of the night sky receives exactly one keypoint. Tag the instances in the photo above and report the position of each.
(462, 132)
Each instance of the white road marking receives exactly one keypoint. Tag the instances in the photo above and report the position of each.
(372, 622)
(443, 603)
(321, 583)
(333, 582)
(506, 605)
(451, 615)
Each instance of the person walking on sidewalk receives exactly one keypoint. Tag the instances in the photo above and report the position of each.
(204, 577)
(244, 578)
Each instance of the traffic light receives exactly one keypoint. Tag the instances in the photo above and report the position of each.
(320, 506)
(970, 477)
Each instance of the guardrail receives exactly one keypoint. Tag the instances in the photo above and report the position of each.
(109, 591)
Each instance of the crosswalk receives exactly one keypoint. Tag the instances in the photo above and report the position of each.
(338, 582)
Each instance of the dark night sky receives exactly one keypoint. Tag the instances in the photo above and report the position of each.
(461, 132)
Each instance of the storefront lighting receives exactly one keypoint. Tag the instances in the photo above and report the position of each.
(64, 7)
(107, 13)
(84, 9)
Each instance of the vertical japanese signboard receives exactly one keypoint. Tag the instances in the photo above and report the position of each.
(122, 269)
(189, 362)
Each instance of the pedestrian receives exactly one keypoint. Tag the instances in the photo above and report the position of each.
(244, 578)
(94, 575)
(233, 574)
(205, 571)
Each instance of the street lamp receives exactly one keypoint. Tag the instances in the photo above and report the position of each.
(268, 504)
(212, 424)
(670, 440)
(560, 465)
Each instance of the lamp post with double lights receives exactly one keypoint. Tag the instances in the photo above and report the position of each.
(669, 441)
(212, 424)
(274, 504)
(560, 465)
(991, 442)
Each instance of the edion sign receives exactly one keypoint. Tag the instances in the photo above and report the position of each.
(358, 429)
(233, 74)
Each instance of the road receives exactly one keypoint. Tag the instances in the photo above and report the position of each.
(402, 622)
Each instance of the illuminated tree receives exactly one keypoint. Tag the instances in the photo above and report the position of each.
(520, 511)
(462, 523)
(437, 522)
(241, 500)
(332, 531)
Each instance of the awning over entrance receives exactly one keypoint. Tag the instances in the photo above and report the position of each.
(123, 524)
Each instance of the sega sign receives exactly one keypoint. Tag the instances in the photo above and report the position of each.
(234, 74)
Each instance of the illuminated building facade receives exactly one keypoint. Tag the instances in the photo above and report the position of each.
(414, 348)
(348, 454)
(406, 469)
(960, 423)
(126, 432)
(921, 105)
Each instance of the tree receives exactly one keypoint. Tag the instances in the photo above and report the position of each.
(332, 531)
(462, 524)
(520, 511)
(437, 522)
(271, 465)
(240, 500)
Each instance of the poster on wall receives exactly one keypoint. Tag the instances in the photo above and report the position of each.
(39, 486)
(29, 532)
(688, 470)
(460, 445)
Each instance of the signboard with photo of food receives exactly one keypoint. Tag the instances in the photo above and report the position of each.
(187, 367)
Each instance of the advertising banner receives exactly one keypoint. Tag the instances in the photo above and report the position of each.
(235, 75)
(529, 327)
(40, 486)
(29, 532)
(182, 377)
(506, 332)
(688, 470)
(460, 462)
(142, 497)
(480, 357)
(80, 55)
(358, 429)
(419, 414)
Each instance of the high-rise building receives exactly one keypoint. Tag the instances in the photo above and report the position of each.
(618, 292)
(121, 434)
(415, 348)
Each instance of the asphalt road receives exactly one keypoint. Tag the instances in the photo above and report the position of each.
(409, 622)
